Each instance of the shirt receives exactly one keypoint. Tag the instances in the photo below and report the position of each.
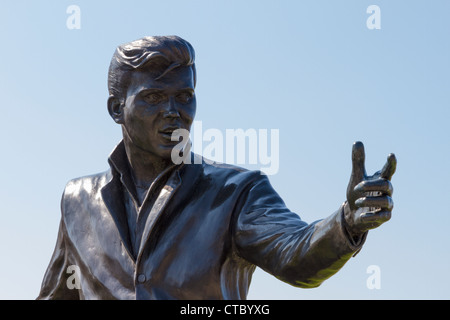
(138, 201)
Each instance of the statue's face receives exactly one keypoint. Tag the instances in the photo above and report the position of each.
(155, 108)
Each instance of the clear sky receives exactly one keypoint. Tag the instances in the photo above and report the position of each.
(311, 69)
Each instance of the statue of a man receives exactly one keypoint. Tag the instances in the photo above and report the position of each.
(148, 228)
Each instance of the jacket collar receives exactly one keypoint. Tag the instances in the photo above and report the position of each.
(112, 194)
(120, 168)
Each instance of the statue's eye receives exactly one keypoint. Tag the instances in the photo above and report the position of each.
(184, 97)
(153, 98)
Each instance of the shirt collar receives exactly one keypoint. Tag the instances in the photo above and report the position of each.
(118, 161)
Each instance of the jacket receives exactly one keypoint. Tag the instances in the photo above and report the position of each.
(208, 228)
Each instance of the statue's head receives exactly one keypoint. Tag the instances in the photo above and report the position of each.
(151, 84)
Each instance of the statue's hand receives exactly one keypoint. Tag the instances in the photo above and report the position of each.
(369, 203)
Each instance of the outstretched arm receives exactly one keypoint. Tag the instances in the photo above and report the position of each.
(269, 235)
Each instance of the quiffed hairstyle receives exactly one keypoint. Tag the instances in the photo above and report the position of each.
(159, 54)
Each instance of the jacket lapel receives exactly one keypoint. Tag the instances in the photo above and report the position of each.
(112, 195)
(156, 210)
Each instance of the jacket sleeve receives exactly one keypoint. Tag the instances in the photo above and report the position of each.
(269, 235)
(54, 285)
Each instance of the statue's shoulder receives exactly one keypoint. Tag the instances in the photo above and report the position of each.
(86, 185)
(227, 172)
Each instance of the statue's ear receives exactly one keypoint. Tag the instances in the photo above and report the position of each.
(115, 109)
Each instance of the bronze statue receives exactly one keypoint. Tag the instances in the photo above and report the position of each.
(150, 229)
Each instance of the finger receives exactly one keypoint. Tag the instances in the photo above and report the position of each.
(378, 185)
(383, 202)
(374, 219)
(389, 168)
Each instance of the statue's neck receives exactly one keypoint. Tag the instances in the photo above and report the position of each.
(145, 166)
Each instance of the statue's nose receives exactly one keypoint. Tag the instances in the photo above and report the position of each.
(171, 109)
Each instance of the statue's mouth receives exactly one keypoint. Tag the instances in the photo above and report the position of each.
(167, 132)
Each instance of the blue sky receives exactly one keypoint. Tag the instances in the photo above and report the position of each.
(311, 69)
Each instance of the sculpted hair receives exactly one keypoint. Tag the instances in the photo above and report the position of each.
(158, 54)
